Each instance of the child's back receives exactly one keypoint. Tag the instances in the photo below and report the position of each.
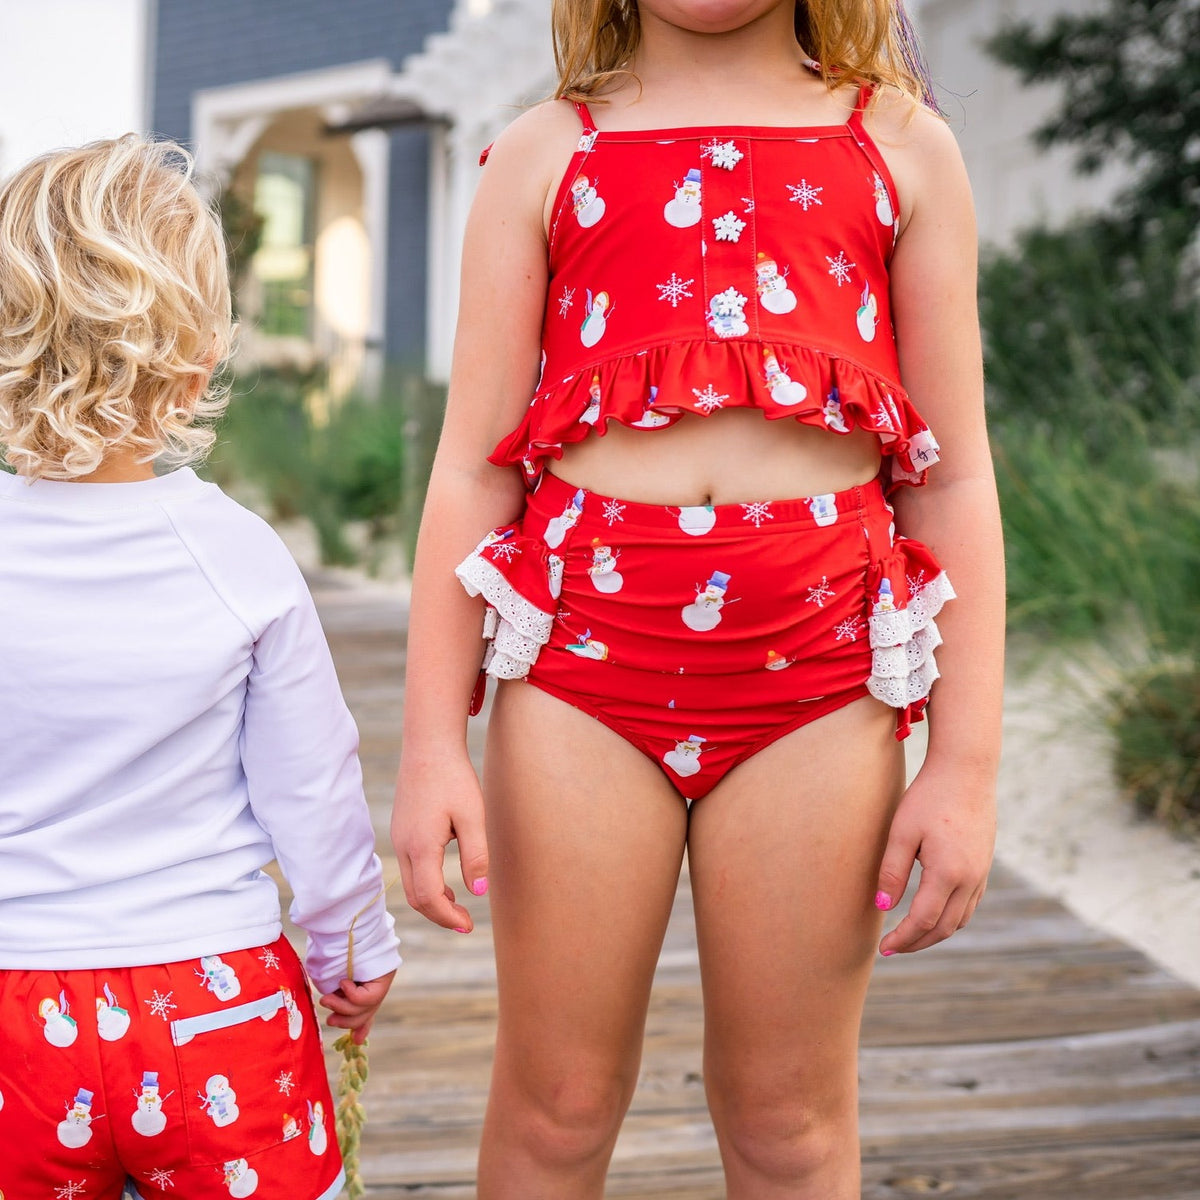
(172, 722)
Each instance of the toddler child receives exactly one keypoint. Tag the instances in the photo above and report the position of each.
(171, 721)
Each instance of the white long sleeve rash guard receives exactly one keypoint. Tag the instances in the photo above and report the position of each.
(170, 721)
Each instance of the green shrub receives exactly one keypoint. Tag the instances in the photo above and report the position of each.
(362, 459)
(1085, 333)
(1156, 725)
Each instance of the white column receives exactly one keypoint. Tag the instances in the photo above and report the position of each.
(372, 149)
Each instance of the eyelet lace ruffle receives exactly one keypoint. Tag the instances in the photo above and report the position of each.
(515, 574)
(908, 589)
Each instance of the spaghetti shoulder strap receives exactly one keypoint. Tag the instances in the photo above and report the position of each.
(865, 92)
(585, 116)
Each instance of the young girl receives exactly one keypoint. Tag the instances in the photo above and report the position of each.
(171, 722)
(738, 283)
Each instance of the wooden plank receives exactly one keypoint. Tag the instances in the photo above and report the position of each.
(1031, 1058)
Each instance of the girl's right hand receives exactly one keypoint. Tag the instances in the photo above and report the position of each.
(437, 803)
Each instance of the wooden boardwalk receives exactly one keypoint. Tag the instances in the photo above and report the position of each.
(1031, 1058)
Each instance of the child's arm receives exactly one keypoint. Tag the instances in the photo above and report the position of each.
(494, 373)
(946, 819)
(300, 756)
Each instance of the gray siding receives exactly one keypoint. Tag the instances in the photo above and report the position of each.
(215, 43)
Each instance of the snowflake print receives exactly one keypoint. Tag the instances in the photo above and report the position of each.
(69, 1190)
(884, 418)
(805, 195)
(285, 1082)
(850, 628)
(748, 201)
(612, 511)
(915, 582)
(506, 551)
(820, 593)
(758, 512)
(723, 154)
(161, 1178)
(728, 303)
(160, 1005)
(269, 958)
(729, 227)
(839, 267)
(675, 289)
(565, 301)
(709, 399)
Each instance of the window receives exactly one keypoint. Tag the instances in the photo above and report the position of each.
(285, 194)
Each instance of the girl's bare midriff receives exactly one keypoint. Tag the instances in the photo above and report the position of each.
(734, 456)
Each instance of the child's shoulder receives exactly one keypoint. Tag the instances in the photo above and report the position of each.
(242, 556)
(536, 141)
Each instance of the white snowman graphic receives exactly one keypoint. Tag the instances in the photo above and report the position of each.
(883, 202)
(684, 210)
(597, 309)
(773, 292)
(554, 575)
(832, 412)
(60, 1027)
(726, 317)
(219, 1101)
(603, 572)
(291, 1127)
(704, 613)
(591, 414)
(784, 389)
(148, 1118)
(649, 418)
(557, 529)
(219, 977)
(318, 1139)
(589, 647)
(868, 315)
(684, 760)
(823, 508)
(587, 205)
(885, 599)
(295, 1018)
(697, 519)
(75, 1129)
(112, 1021)
(777, 662)
(240, 1177)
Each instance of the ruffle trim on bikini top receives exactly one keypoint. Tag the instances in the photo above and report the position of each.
(655, 387)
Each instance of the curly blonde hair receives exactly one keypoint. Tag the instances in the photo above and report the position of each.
(854, 41)
(114, 309)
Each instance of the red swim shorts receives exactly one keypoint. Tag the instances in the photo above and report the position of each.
(701, 634)
(201, 1079)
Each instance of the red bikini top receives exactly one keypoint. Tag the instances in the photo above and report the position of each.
(698, 269)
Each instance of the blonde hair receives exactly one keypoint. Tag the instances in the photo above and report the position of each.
(854, 41)
(114, 309)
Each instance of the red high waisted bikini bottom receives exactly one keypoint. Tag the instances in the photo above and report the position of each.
(701, 634)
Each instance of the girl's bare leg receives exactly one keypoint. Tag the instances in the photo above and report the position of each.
(783, 856)
(586, 839)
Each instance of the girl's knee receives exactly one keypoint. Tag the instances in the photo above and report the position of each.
(567, 1121)
(785, 1137)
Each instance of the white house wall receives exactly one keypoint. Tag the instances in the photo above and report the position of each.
(71, 71)
(1015, 184)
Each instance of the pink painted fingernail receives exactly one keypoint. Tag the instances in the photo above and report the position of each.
(887, 953)
(883, 901)
(479, 886)
(460, 929)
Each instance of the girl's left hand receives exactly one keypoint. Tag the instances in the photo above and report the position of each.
(946, 821)
(354, 1005)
